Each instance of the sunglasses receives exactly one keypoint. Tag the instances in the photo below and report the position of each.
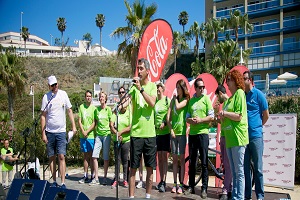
(53, 85)
(201, 87)
(122, 92)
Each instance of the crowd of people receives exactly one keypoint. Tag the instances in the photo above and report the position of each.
(145, 125)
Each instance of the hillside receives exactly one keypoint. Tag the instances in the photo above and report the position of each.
(77, 74)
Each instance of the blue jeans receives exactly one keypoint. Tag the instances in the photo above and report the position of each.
(236, 160)
(254, 152)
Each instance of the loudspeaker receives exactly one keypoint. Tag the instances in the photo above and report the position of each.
(55, 193)
(2, 193)
(25, 189)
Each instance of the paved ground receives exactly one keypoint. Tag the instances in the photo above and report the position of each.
(106, 193)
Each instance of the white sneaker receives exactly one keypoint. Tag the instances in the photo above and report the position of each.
(94, 182)
(140, 185)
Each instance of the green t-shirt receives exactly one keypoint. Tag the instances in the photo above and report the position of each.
(199, 106)
(142, 113)
(222, 124)
(161, 109)
(103, 117)
(86, 113)
(178, 119)
(236, 132)
(6, 167)
(124, 121)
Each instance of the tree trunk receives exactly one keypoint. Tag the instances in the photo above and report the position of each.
(11, 106)
(25, 46)
(62, 41)
(175, 54)
(100, 39)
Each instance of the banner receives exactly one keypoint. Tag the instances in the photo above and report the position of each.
(170, 84)
(279, 150)
(155, 46)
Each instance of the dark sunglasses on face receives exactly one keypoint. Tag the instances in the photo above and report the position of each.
(121, 92)
(201, 87)
(54, 85)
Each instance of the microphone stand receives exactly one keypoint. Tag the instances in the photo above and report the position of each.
(117, 111)
(26, 132)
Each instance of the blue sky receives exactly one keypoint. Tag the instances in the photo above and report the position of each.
(40, 17)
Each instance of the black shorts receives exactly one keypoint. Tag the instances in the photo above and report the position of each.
(145, 146)
(163, 142)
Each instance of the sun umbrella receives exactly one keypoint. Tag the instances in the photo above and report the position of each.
(287, 76)
(278, 82)
(267, 83)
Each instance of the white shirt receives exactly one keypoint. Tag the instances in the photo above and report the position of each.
(56, 111)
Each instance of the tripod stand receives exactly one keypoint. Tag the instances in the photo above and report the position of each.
(25, 133)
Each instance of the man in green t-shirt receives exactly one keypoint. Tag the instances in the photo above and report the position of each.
(143, 136)
(200, 113)
(7, 169)
(87, 138)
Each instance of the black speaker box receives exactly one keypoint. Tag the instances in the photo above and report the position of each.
(2, 193)
(55, 193)
(25, 189)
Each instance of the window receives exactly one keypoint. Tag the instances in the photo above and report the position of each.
(289, 21)
(255, 47)
(256, 77)
(273, 76)
(289, 43)
(271, 24)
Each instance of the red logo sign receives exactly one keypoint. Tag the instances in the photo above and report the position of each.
(273, 133)
(288, 133)
(266, 156)
(287, 165)
(271, 179)
(279, 172)
(273, 149)
(272, 164)
(266, 141)
(287, 149)
(155, 46)
(280, 141)
(279, 157)
(281, 125)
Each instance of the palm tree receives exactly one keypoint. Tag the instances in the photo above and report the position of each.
(100, 21)
(183, 19)
(195, 31)
(12, 77)
(178, 41)
(189, 37)
(61, 25)
(88, 38)
(198, 66)
(25, 35)
(224, 56)
(138, 17)
(237, 20)
(213, 27)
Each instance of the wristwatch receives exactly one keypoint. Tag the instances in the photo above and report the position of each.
(142, 90)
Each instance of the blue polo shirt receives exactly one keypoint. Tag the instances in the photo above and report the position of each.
(256, 104)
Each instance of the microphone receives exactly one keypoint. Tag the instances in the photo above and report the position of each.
(135, 80)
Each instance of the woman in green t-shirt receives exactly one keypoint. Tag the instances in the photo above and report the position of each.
(177, 124)
(122, 129)
(235, 126)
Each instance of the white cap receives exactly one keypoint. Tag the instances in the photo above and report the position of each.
(51, 80)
